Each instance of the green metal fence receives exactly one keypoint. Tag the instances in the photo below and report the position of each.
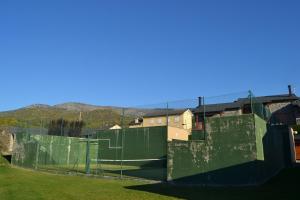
(45, 152)
(258, 108)
(132, 142)
(130, 152)
(124, 153)
(235, 104)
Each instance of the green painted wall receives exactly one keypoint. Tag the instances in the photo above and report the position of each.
(40, 151)
(140, 151)
(197, 135)
(137, 143)
(260, 130)
(236, 150)
(272, 148)
(233, 153)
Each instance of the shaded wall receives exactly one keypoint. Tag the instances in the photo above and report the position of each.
(274, 150)
(237, 150)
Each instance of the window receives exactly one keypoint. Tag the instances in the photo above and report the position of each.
(159, 120)
(176, 119)
(298, 121)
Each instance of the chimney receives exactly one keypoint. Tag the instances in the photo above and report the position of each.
(199, 101)
(290, 90)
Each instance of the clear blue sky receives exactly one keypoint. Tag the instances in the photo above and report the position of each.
(139, 52)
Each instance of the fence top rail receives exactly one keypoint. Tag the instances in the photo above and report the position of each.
(88, 140)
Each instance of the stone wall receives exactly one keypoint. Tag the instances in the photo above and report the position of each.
(282, 113)
(6, 142)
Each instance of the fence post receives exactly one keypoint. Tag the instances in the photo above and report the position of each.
(251, 101)
(27, 127)
(69, 151)
(204, 118)
(61, 126)
(40, 127)
(37, 155)
(167, 115)
(123, 135)
(87, 163)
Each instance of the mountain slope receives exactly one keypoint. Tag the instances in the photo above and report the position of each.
(74, 106)
(40, 116)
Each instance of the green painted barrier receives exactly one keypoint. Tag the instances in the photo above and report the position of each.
(136, 152)
(238, 150)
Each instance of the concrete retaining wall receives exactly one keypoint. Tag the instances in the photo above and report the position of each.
(6, 142)
(237, 150)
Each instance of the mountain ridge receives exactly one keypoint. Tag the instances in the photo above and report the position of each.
(94, 116)
(75, 106)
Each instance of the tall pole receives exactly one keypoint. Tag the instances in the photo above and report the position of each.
(204, 118)
(251, 101)
(41, 126)
(61, 126)
(87, 155)
(167, 115)
(123, 137)
(27, 127)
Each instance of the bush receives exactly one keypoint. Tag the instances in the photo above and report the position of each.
(3, 161)
(296, 128)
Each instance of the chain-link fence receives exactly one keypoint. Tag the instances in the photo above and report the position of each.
(46, 152)
(123, 142)
(129, 152)
(184, 114)
(124, 153)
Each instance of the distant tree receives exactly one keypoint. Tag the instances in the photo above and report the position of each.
(57, 127)
(75, 128)
(63, 127)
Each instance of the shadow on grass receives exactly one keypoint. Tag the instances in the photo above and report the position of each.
(284, 186)
(156, 174)
(151, 170)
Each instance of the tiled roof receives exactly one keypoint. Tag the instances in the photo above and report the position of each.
(239, 103)
(270, 99)
(218, 107)
(165, 112)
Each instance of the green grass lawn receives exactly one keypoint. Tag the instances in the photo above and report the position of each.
(16, 183)
(110, 170)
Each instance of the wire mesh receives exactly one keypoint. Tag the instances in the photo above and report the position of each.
(49, 152)
(258, 107)
(131, 149)
(129, 152)
(126, 142)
